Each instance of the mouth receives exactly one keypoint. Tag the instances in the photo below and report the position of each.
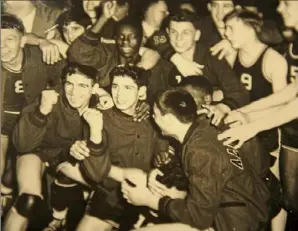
(126, 49)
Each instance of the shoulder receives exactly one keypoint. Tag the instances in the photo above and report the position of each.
(46, 12)
(274, 63)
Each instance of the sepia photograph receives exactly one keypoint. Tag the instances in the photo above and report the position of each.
(149, 115)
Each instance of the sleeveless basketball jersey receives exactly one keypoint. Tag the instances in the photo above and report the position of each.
(14, 98)
(253, 78)
(258, 86)
(290, 130)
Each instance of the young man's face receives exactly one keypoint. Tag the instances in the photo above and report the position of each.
(161, 121)
(183, 36)
(128, 41)
(78, 90)
(238, 33)
(156, 13)
(125, 94)
(289, 12)
(11, 42)
(72, 31)
(219, 9)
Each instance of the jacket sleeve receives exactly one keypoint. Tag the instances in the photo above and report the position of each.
(54, 73)
(97, 166)
(30, 129)
(159, 41)
(88, 50)
(221, 74)
(200, 206)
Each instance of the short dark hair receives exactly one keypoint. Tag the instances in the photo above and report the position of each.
(178, 102)
(200, 85)
(75, 68)
(250, 18)
(9, 21)
(130, 21)
(137, 74)
(186, 16)
(70, 16)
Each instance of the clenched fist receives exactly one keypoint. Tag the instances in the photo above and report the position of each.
(48, 99)
(93, 118)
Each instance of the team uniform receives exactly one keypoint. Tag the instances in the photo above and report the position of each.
(290, 130)
(130, 145)
(13, 101)
(258, 85)
(20, 89)
(289, 141)
(224, 188)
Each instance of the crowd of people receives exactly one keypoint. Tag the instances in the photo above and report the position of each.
(149, 115)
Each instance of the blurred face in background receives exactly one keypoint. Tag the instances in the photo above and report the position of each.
(156, 13)
(289, 13)
(219, 9)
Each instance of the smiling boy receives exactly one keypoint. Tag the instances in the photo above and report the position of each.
(130, 145)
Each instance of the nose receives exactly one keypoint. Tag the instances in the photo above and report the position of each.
(280, 7)
(179, 36)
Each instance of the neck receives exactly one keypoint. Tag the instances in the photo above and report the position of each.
(124, 60)
(130, 111)
(83, 109)
(189, 54)
(182, 131)
(16, 64)
(252, 47)
(152, 23)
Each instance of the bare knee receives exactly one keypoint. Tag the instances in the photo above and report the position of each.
(29, 174)
(89, 223)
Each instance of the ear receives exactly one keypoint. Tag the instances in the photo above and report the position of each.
(23, 41)
(197, 35)
(209, 6)
(142, 95)
(208, 99)
(167, 30)
(170, 119)
(95, 88)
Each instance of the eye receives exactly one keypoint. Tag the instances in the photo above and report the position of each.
(128, 87)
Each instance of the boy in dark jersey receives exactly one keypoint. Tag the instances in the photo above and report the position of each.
(283, 104)
(24, 75)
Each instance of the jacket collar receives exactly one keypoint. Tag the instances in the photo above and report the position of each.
(190, 131)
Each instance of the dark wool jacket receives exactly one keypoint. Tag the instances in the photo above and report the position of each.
(35, 74)
(225, 191)
(130, 144)
(89, 50)
(218, 72)
(51, 137)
